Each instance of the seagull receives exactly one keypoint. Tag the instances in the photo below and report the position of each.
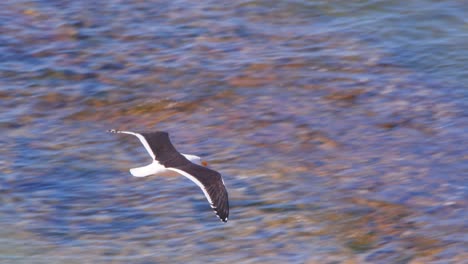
(167, 160)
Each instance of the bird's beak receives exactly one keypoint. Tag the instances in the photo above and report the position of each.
(204, 163)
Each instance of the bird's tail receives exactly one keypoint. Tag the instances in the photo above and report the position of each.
(153, 168)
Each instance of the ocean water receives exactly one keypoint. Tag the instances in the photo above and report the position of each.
(340, 129)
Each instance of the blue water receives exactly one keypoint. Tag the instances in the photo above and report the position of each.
(339, 128)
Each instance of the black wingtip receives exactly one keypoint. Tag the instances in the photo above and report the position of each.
(223, 219)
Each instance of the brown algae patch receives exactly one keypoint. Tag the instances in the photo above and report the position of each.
(361, 241)
(348, 96)
(251, 81)
(365, 230)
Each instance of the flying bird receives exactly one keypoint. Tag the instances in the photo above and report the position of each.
(167, 160)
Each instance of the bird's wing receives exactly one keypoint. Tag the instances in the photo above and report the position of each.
(212, 185)
(140, 137)
(161, 146)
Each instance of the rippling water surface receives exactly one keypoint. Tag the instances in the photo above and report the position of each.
(340, 129)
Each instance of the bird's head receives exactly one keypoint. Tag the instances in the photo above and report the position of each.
(196, 160)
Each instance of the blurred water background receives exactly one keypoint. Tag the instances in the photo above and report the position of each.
(340, 128)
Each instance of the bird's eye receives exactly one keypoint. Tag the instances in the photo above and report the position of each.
(204, 163)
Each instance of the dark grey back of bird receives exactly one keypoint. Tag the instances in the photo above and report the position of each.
(165, 152)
